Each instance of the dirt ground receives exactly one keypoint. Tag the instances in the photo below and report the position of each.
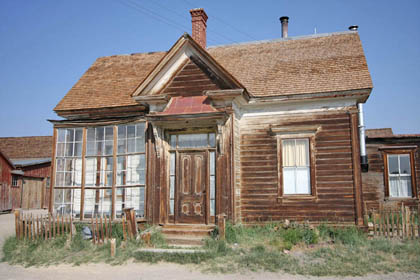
(138, 271)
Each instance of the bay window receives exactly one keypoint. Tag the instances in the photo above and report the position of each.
(99, 161)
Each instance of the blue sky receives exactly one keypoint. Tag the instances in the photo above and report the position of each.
(46, 45)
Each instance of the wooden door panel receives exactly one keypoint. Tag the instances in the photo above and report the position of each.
(191, 194)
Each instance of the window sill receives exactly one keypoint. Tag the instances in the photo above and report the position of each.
(296, 198)
(400, 198)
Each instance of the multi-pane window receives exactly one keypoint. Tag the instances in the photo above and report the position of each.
(14, 180)
(99, 170)
(296, 166)
(399, 175)
(68, 177)
(104, 153)
(131, 168)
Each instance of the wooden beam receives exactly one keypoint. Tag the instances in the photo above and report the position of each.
(357, 176)
(82, 191)
(53, 168)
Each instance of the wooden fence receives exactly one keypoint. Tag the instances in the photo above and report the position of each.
(401, 223)
(35, 227)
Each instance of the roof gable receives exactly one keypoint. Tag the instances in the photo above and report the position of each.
(184, 51)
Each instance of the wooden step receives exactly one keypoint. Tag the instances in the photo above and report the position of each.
(186, 234)
(172, 239)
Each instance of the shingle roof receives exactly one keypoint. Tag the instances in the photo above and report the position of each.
(311, 64)
(33, 147)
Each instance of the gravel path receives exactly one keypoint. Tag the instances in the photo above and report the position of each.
(140, 271)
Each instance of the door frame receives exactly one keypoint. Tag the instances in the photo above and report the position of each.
(171, 218)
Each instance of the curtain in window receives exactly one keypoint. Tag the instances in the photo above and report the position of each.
(296, 170)
(399, 172)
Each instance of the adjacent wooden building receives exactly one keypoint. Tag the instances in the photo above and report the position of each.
(394, 169)
(26, 163)
(258, 131)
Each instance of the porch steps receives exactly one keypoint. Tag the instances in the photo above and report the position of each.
(186, 234)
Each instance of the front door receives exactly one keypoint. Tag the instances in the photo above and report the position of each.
(191, 187)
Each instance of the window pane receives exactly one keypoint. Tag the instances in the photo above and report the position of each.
(140, 145)
(212, 140)
(173, 141)
(90, 148)
(130, 145)
(79, 135)
(212, 163)
(303, 180)
(69, 135)
(69, 150)
(109, 144)
(302, 152)
(172, 164)
(109, 133)
(91, 134)
(60, 149)
(192, 140)
(288, 153)
(393, 164)
(288, 180)
(122, 143)
(100, 133)
(405, 164)
(61, 137)
(78, 149)
(131, 131)
(405, 186)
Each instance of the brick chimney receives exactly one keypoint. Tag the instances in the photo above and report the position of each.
(198, 21)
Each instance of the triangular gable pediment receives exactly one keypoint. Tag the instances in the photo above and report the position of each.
(184, 53)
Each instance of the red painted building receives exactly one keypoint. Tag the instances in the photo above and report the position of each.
(25, 172)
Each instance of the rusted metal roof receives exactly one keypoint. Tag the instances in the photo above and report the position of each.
(312, 64)
(188, 105)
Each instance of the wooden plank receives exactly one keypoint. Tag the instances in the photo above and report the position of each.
(37, 227)
(82, 186)
(93, 231)
(17, 216)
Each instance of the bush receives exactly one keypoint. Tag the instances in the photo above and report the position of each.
(346, 236)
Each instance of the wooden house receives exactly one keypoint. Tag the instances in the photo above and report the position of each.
(394, 169)
(26, 184)
(257, 131)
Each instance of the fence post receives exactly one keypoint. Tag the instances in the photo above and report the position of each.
(221, 223)
(123, 226)
(17, 216)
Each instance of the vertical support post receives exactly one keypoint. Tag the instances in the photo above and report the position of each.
(17, 216)
(403, 220)
(37, 227)
(93, 231)
(113, 247)
(49, 226)
(114, 174)
(82, 186)
(221, 224)
(123, 226)
(357, 181)
(53, 169)
(97, 228)
(102, 231)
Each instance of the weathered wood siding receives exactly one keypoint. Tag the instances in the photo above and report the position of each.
(334, 198)
(237, 168)
(190, 81)
(373, 182)
(5, 185)
(39, 171)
